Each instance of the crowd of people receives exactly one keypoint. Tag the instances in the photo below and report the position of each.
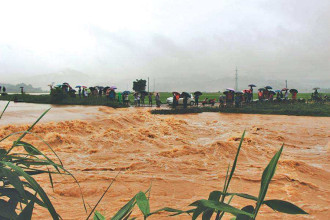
(228, 98)
(108, 92)
(265, 94)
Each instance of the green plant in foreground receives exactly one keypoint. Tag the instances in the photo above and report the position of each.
(19, 191)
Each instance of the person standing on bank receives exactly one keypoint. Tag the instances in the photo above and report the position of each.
(150, 99)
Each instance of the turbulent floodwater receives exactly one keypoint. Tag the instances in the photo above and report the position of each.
(184, 156)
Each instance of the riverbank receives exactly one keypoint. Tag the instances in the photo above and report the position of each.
(297, 109)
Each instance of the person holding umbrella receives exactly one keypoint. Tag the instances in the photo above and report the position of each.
(197, 95)
(261, 94)
(294, 93)
(79, 91)
(250, 95)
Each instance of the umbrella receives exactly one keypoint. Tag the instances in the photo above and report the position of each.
(252, 85)
(238, 92)
(78, 86)
(278, 90)
(268, 87)
(113, 87)
(231, 89)
(186, 94)
(225, 92)
(198, 93)
(106, 88)
(285, 89)
(293, 91)
(272, 92)
(84, 87)
(316, 88)
(262, 89)
(126, 92)
(246, 91)
(175, 93)
(59, 85)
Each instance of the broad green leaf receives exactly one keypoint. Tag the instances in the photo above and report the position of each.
(36, 187)
(2, 152)
(14, 180)
(5, 210)
(27, 212)
(222, 207)
(143, 203)
(124, 210)
(13, 193)
(28, 148)
(199, 210)
(98, 216)
(267, 176)
(214, 196)
(248, 209)
(127, 216)
(284, 206)
(176, 211)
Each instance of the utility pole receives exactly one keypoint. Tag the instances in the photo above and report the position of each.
(286, 83)
(236, 80)
(148, 84)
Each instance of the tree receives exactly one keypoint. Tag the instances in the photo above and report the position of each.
(139, 85)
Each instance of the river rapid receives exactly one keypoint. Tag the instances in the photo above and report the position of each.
(184, 157)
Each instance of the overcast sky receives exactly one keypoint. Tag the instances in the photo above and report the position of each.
(192, 39)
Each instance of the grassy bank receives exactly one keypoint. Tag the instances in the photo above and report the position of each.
(298, 109)
(46, 99)
(99, 101)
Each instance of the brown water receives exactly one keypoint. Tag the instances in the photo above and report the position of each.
(185, 157)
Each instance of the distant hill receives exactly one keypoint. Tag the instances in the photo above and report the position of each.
(73, 77)
(10, 88)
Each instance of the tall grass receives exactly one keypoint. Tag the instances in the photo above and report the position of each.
(19, 191)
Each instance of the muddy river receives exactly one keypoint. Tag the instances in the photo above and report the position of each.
(184, 157)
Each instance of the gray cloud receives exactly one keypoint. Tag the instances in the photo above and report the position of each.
(196, 42)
